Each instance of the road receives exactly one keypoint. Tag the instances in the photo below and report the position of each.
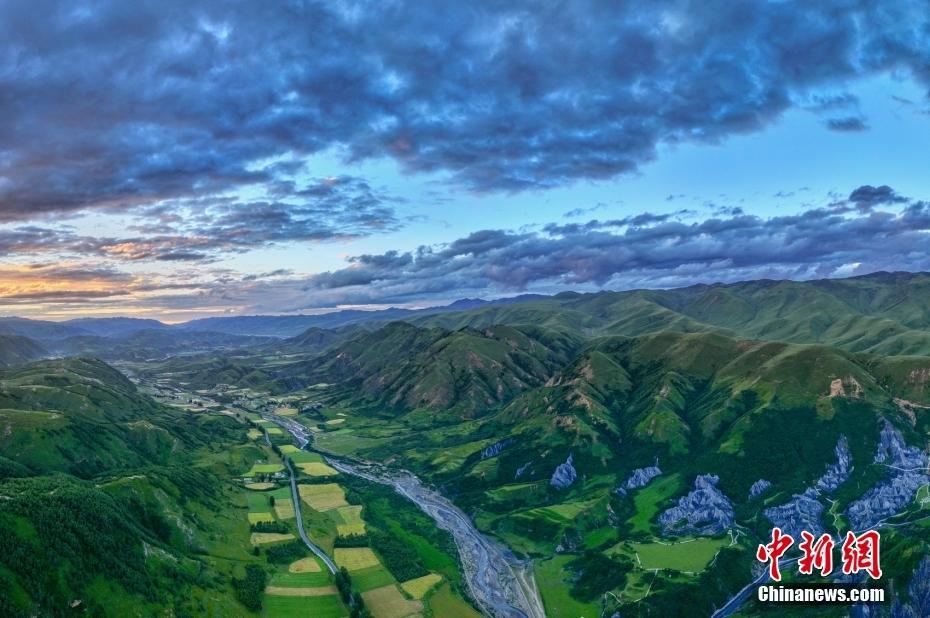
(300, 524)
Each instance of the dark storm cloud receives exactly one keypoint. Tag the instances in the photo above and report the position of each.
(657, 252)
(119, 105)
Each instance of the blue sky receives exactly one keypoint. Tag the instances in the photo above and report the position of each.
(191, 159)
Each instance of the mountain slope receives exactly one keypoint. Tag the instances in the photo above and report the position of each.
(463, 372)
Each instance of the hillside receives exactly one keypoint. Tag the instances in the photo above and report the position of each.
(542, 465)
(103, 510)
(464, 372)
(15, 349)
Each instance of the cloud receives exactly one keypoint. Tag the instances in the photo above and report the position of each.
(117, 107)
(200, 230)
(846, 237)
(645, 251)
(847, 124)
(867, 196)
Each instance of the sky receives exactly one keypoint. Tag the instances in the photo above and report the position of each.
(178, 160)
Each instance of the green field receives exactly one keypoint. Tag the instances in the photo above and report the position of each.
(259, 469)
(552, 581)
(648, 500)
(317, 607)
(688, 555)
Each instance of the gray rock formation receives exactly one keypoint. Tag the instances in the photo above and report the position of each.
(907, 472)
(838, 473)
(496, 448)
(640, 477)
(522, 470)
(801, 513)
(758, 488)
(564, 475)
(705, 510)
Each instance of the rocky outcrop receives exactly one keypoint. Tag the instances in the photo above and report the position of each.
(801, 513)
(758, 488)
(838, 473)
(640, 477)
(495, 449)
(804, 510)
(522, 470)
(564, 475)
(907, 473)
(705, 510)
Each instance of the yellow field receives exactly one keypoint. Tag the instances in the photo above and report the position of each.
(323, 497)
(336, 421)
(254, 434)
(260, 538)
(256, 518)
(286, 411)
(259, 486)
(315, 468)
(320, 591)
(417, 588)
(289, 448)
(305, 565)
(388, 602)
(349, 520)
(355, 558)
(284, 508)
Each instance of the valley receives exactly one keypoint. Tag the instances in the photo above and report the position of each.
(524, 460)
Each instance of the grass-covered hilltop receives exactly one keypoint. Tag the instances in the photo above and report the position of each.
(630, 448)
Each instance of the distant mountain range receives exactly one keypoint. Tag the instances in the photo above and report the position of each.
(881, 313)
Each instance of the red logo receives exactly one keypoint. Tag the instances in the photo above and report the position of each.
(771, 552)
(860, 552)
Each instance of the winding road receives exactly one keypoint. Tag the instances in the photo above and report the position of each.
(300, 523)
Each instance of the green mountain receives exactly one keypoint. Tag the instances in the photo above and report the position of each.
(883, 313)
(15, 349)
(464, 372)
(107, 505)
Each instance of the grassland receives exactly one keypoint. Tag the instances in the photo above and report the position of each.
(317, 607)
(647, 501)
(553, 582)
(445, 603)
(687, 555)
